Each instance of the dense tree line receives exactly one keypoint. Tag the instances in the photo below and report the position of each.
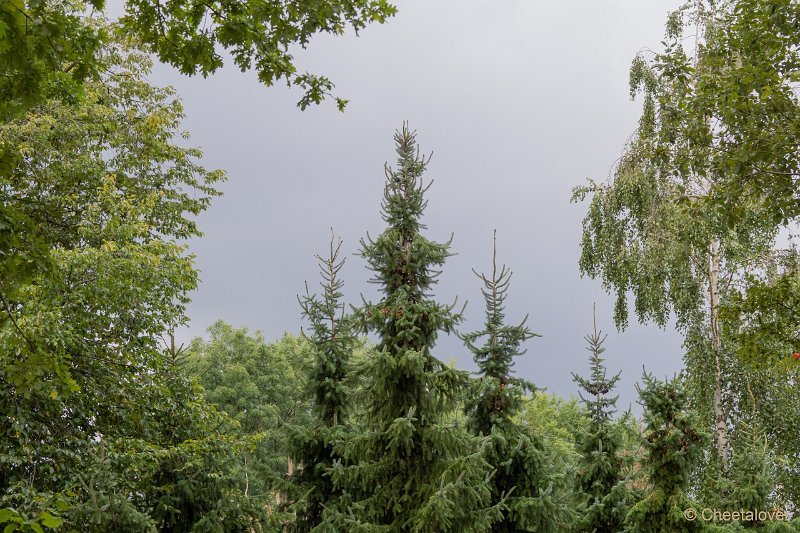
(108, 426)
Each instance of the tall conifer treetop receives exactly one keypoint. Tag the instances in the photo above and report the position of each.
(333, 342)
(600, 480)
(410, 469)
(600, 405)
(406, 265)
(522, 481)
(501, 395)
(402, 259)
(332, 338)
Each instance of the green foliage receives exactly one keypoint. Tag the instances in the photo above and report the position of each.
(599, 385)
(333, 341)
(50, 48)
(761, 372)
(606, 495)
(409, 470)
(47, 49)
(558, 422)
(674, 445)
(333, 344)
(108, 187)
(663, 231)
(260, 386)
(190, 35)
(98, 428)
(763, 316)
(499, 395)
(515, 452)
(744, 84)
(752, 480)
(769, 400)
(16, 520)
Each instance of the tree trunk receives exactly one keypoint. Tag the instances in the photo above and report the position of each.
(720, 420)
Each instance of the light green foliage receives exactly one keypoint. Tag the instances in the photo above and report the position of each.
(659, 231)
(258, 385)
(98, 428)
(111, 191)
(15, 520)
(49, 48)
(558, 421)
(408, 469)
(521, 478)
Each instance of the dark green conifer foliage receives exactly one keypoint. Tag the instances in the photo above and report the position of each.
(333, 341)
(411, 470)
(600, 405)
(514, 451)
(600, 478)
(500, 394)
(751, 480)
(674, 446)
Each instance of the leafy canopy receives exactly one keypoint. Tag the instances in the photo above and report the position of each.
(99, 429)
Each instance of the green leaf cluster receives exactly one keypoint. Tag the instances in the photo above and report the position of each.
(259, 386)
(99, 428)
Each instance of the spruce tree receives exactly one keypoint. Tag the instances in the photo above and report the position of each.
(495, 402)
(333, 342)
(674, 446)
(411, 470)
(600, 478)
(751, 480)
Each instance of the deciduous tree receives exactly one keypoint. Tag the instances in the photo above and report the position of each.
(260, 386)
(98, 428)
(657, 232)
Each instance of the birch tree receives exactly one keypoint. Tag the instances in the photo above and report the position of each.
(656, 231)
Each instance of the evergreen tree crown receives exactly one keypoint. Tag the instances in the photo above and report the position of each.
(500, 394)
(599, 385)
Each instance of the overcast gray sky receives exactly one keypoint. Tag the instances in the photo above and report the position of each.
(519, 101)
